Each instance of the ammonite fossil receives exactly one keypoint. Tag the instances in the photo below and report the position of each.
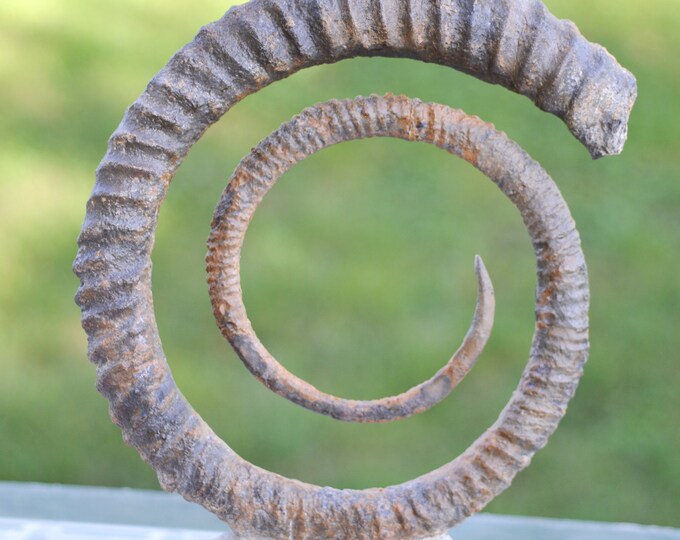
(515, 43)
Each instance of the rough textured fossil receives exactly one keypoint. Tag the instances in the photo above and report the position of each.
(516, 43)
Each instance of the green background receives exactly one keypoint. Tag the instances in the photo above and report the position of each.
(358, 267)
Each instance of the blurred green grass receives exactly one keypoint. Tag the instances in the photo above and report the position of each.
(358, 268)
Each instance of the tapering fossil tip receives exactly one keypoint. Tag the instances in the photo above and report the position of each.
(483, 279)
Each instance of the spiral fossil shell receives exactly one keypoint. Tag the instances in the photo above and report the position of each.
(516, 43)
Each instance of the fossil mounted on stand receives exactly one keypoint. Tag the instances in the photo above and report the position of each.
(515, 43)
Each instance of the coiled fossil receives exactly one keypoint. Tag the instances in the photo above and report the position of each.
(516, 43)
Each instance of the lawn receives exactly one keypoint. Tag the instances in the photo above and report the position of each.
(358, 267)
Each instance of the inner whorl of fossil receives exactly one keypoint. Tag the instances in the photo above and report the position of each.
(316, 128)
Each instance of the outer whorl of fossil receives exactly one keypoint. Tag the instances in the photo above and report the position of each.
(516, 43)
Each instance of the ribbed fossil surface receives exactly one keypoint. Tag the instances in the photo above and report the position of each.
(516, 43)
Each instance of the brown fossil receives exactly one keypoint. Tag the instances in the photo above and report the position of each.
(516, 43)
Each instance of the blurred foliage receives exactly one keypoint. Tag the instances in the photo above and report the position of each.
(358, 268)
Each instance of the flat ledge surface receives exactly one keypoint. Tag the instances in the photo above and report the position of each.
(56, 512)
